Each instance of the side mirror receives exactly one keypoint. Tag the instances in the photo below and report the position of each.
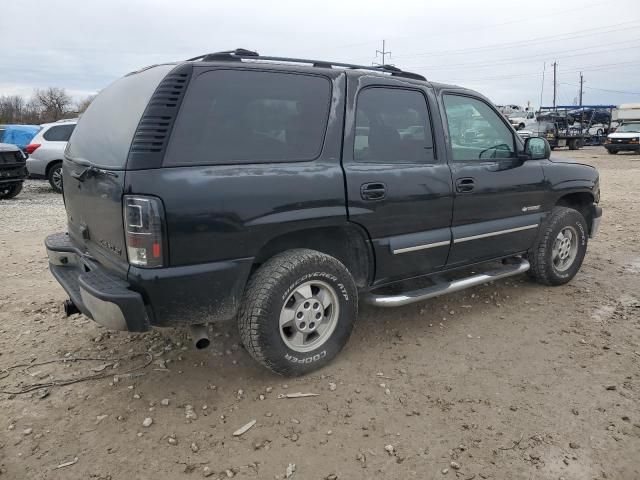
(537, 148)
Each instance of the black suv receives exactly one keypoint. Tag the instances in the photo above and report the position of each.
(281, 191)
(13, 170)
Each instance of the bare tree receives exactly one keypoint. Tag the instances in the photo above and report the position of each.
(11, 109)
(84, 103)
(54, 103)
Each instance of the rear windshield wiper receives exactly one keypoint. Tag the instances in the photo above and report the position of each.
(89, 171)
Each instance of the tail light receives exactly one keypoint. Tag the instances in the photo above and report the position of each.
(144, 232)
(32, 147)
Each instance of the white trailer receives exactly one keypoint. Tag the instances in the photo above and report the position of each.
(626, 112)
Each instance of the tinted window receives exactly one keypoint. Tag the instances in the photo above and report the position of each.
(104, 132)
(59, 133)
(234, 116)
(392, 126)
(476, 132)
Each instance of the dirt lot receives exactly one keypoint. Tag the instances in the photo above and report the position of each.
(505, 381)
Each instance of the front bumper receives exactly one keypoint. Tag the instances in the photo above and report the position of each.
(12, 174)
(96, 292)
(622, 147)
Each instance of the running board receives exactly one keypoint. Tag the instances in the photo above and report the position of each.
(443, 288)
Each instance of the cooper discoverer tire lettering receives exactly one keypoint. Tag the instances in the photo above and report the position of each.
(298, 311)
(560, 248)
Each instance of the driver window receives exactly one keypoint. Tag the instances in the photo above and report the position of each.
(476, 132)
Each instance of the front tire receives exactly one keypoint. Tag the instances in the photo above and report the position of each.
(55, 177)
(612, 152)
(560, 248)
(10, 191)
(298, 311)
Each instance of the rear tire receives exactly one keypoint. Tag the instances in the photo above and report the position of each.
(10, 191)
(560, 248)
(55, 177)
(298, 311)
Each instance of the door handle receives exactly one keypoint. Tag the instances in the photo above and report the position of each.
(373, 191)
(465, 185)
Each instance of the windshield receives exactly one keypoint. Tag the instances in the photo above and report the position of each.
(629, 127)
(517, 115)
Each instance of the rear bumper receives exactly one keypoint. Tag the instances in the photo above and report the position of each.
(37, 167)
(97, 293)
(166, 297)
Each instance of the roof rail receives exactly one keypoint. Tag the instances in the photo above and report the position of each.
(240, 54)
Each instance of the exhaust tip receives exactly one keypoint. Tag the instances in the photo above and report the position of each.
(200, 336)
(202, 343)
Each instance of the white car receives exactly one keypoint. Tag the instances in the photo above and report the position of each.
(520, 120)
(626, 138)
(46, 151)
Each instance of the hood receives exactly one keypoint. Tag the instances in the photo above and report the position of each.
(8, 147)
(569, 160)
(624, 135)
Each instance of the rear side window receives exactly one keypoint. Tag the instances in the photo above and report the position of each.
(59, 133)
(392, 126)
(240, 116)
(105, 131)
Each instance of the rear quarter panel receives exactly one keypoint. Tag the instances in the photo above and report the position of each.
(222, 212)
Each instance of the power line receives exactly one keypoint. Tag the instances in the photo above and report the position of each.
(604, 89)
(588, 68)
(483, 27)
(550, 38)
(521, 59)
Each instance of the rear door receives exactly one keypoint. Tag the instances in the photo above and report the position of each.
(398, 181)
(498, 196)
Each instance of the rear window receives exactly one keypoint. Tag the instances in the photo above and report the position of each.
(105, 131)
(59, 133)
(241, 116)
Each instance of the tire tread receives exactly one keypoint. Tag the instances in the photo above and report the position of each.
(259, 295)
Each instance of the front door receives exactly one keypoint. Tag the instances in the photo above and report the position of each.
(398, 181)
(498, 196)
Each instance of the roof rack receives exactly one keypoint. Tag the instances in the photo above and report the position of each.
(240, 54)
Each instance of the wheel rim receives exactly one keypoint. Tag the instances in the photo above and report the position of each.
(309, 316)
(565, 249)
(56, 177)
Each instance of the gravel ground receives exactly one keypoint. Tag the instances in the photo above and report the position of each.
(505, 381)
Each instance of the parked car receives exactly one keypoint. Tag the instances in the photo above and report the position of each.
(18, 135)
(625, 138)
(521, 119)
(591, 115)
(280, 192)
(12, 170)
(46, 152)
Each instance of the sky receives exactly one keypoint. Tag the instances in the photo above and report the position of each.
(504, 49)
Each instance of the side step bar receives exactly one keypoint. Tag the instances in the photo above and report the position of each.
(443, 288)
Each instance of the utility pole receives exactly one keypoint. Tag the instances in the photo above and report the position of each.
(384, 52)
(581, 84)
(555, 65)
